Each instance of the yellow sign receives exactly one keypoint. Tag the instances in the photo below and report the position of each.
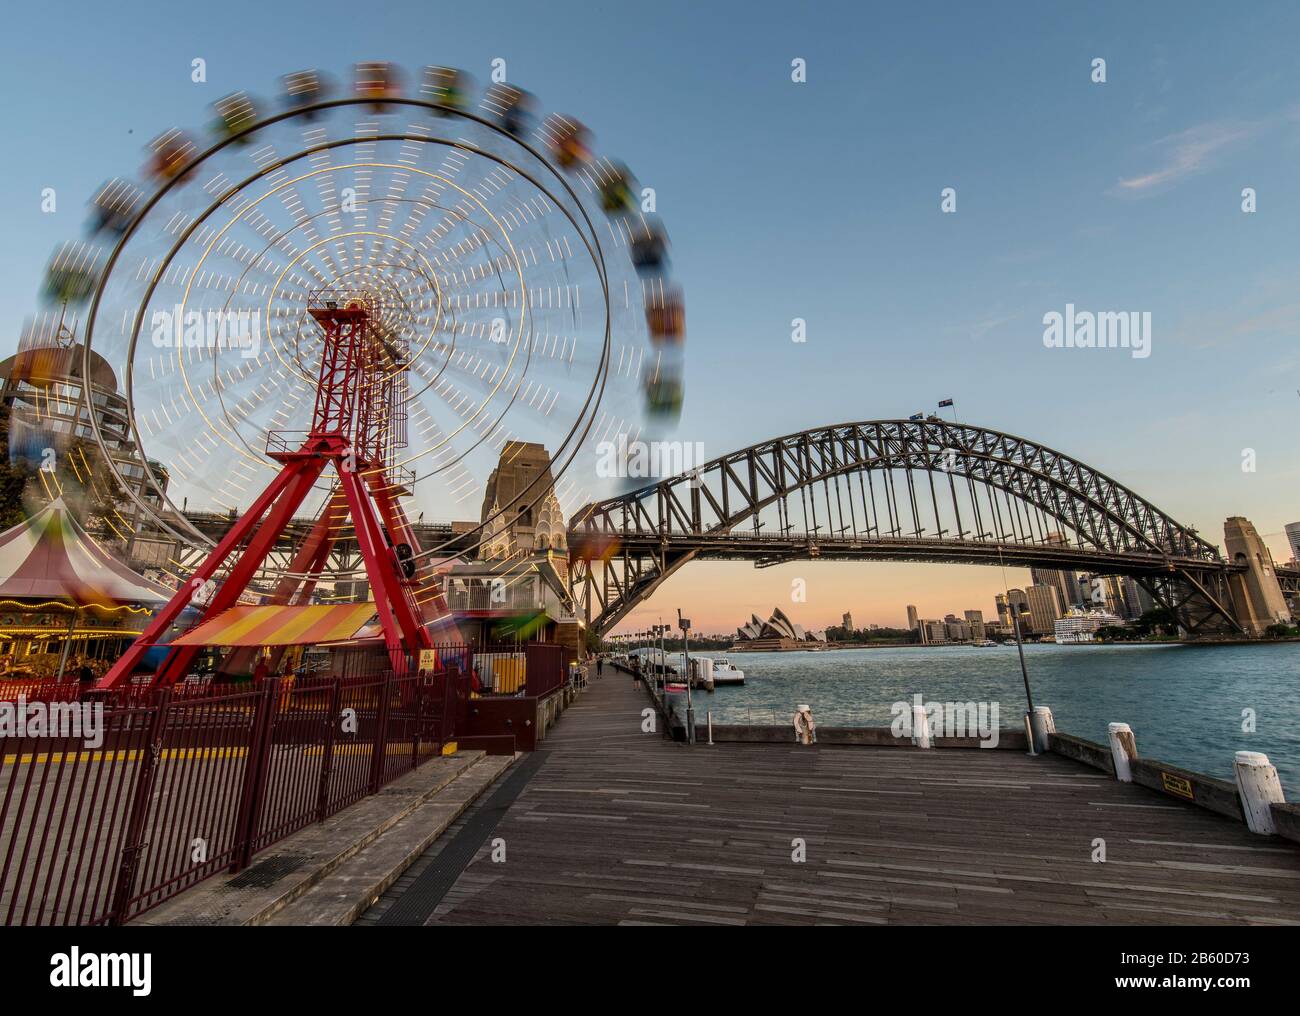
(1177, 785)
(428, 659)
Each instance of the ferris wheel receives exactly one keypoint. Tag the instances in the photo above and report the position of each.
(515, 264)
(513, 288)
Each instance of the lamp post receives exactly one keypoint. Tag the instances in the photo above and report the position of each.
(685, 625)
(1020, 650)
(662, 629)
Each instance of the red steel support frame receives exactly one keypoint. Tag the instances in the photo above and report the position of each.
(346, 389)
(297, 586)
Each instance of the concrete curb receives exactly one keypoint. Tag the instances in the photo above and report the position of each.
(285, 871)
(355, 885)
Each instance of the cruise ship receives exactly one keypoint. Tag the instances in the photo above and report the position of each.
(1079, 627)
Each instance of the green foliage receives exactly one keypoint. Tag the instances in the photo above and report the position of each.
(1157, 621)
(837, 633)
(1116, 633)
(13, 478)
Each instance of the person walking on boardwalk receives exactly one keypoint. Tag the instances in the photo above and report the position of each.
(600, 665)
(805, 731)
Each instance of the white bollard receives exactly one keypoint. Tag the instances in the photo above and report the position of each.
(805, 730)
(1041, 723)
(1123, 748)
(920, 726)
(1260, 789)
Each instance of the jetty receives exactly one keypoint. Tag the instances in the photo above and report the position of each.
(611, 824)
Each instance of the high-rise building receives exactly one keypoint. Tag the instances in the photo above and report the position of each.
(933, 632)
(1293, 538)
(1105, 592)
(1065, 582)
(847, 622)
(975, 618)
(957, 629)
(1139, 601)
(1044, 607)
(913, 618)
(1003, 609)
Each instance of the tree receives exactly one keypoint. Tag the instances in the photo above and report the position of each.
(1157, 621)
(1114, 633)
(15, 471)
(89, 488)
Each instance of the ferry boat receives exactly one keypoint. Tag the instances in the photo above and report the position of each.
(726, 672)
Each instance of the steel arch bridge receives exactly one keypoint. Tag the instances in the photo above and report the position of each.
(901, 490)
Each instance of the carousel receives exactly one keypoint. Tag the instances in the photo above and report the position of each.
(66, 605)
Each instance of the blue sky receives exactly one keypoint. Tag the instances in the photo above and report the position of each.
(822, 201)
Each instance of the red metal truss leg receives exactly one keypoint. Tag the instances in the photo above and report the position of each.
(122, 670)
(390, 509)
(434, 607)
(397, 615)
(304, 473)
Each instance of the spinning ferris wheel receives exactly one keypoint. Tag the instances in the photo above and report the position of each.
(419, 275)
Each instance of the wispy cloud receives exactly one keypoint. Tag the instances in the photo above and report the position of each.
(1191, 151)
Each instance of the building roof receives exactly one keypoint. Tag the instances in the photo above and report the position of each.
(778, 625)
(303, 625)
(50, 557)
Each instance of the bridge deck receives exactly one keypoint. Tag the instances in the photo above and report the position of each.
(620, 827)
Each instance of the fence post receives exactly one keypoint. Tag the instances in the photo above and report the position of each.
(255, 774)
(418, 687)
(327, 750)
(447, 723)
(129, 862)
(381, 735)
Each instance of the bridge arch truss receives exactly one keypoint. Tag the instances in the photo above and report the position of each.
(910, 490)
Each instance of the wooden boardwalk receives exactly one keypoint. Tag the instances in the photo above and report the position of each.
(621, 827)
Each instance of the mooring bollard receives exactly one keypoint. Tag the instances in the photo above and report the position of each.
(805, 730)
(1123, 748)
(1260, 789)
(1041, 724)
(709, 716)
(920, 726)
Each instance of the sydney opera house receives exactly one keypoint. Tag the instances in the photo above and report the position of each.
(777, 632)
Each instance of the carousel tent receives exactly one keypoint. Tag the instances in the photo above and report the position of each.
(50, 557)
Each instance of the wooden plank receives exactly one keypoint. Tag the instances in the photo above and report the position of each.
(622, 827)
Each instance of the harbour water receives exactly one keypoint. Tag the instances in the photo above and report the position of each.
(1186, 704)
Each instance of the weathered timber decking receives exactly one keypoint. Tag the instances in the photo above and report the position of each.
(621, 827)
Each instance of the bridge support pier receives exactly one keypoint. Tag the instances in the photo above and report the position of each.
(1256, 593)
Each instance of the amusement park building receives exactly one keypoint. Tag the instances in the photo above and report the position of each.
(49, 408)
(516, 586)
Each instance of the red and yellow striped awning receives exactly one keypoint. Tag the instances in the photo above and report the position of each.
(280, 626)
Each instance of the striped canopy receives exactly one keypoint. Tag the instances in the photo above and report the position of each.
(50, 557)
(281, 626)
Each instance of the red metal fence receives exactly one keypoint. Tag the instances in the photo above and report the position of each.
(187, 782)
